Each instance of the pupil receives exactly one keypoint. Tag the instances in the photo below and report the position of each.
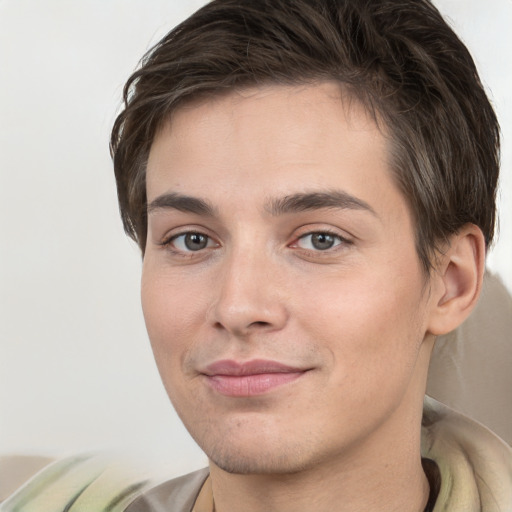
(195, 241)
(322, 241)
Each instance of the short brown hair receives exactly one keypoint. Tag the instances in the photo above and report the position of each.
(399, 58)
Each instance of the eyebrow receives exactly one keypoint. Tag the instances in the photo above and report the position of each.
(300, 202)
(182, 203)
(335, 199)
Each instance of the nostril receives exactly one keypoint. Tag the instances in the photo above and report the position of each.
(259, 324)
(244, 330)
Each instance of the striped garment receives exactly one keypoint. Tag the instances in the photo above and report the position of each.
(87, 483)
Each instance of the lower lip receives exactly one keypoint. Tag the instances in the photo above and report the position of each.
(250, 385)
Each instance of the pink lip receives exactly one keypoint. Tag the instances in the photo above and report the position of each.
(250, 378)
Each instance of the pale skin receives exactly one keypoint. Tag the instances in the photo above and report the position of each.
(276, 232)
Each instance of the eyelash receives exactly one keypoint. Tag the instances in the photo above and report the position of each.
(169, 243)
(339, 240)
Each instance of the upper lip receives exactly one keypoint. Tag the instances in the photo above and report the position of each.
(253, 367)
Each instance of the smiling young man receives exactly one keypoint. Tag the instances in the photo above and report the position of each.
(312, 186)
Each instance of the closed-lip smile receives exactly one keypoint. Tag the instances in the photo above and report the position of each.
(249, 378)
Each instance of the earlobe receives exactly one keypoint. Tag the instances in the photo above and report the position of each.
(458, 277)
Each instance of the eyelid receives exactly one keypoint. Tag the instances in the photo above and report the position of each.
(305, 230)
(337, 239)
(344, 241)
(167, 240)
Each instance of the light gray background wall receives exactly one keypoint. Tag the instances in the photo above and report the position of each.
(76, 371)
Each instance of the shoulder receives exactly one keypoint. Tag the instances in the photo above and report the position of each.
(178, 494)
(94, 483)
(475, 464)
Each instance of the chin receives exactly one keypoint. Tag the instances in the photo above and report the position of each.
(264, 462)
(257, 451)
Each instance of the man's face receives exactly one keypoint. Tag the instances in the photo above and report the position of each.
(281, 288)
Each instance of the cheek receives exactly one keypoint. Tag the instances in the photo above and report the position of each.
(172, 316)
(172, 312)
(370, 323)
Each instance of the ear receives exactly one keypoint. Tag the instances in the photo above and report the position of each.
(457, 280)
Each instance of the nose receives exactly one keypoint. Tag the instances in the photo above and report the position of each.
(249, 296)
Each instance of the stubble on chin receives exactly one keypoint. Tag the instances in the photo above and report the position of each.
(251, 452)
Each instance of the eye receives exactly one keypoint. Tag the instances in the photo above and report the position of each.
(319, 241)
(191, 242)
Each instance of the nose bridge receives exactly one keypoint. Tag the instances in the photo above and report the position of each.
(248, 296)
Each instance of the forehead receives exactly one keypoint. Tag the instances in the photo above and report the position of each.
(274, 134)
